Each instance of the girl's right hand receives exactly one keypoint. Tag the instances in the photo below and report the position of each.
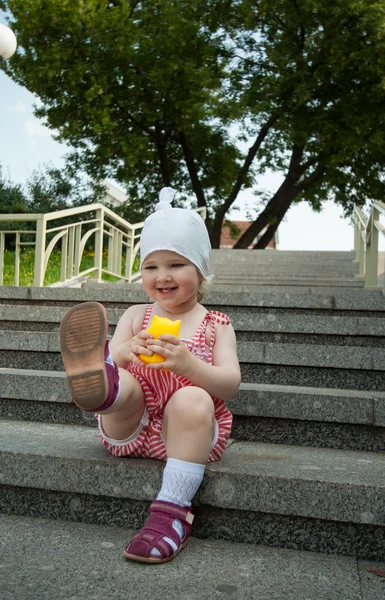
(129, 351)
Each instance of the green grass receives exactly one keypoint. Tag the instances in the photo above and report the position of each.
(52, 275)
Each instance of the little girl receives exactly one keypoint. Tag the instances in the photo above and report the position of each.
(175, 410)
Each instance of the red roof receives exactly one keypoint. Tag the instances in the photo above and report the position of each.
(228, 242)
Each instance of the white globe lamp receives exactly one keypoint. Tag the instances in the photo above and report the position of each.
(8, 42)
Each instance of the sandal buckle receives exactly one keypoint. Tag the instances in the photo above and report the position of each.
(190, 518)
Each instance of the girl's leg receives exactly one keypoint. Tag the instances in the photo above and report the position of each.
(189, 425)
(122, 418)
(96, 384)
(188, 430)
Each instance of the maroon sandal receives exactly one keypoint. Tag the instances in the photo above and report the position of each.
(157, 527)
(93, 384)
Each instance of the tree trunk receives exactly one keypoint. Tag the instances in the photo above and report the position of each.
(166, 178)
(161, 144)
(192, 169)
(216, 230)
(272, 228)
(279, 206)
(279, 202)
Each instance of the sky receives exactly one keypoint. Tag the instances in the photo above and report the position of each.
(27, 144)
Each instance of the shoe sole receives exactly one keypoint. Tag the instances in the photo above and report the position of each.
(83, 334)
(152, 559)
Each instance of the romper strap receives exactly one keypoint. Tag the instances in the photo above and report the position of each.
(212, 317)
(221, 319)
(147, 316)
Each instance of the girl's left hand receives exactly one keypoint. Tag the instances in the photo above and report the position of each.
(178, 357)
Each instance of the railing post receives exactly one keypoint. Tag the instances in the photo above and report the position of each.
(98, 261)
(41, 226)
(129, 253)
(63, 261)
(371, 259)
(71, 245)
(110, 251)
(114, 250)
(17, 259)
(361, 256)
(2, 246)
(118, 252)
(78, 237)
(357, 235)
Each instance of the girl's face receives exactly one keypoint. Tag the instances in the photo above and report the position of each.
(171, 280)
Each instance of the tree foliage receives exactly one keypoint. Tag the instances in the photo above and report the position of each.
(159, 93)
(12, 196)
(47, 190)
(319, 66)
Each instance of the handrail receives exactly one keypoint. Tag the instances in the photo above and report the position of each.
(116, 241)
(366, 239)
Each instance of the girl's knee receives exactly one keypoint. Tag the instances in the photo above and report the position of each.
(191, 405)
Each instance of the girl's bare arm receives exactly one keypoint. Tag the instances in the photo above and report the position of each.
(222, 378)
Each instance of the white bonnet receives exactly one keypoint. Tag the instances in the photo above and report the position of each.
(177, 229)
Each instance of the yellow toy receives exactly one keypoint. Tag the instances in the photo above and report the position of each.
(159, 326)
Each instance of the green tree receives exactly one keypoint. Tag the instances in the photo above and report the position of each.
(47, 190)
(50, 189)
(315, 70)
(12, 196)
(12, 201)
(156, 93)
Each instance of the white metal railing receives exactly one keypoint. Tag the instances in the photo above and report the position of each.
(366, 239)
(113, 237)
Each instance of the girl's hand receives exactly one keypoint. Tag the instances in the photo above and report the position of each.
(178, 357)
(129, 351)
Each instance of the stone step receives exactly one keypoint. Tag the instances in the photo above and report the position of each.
(324, 499)
(282, 256)
(293, 364)
(298, 267)
(305, 416)
(283, 414)
(266, 325)
(282, 270)
(294, 258)
(252, 399)
(40, 350)
(279, 254)
(115, 295)
(332, 357)
(292, 264)
(289, 288)
(220, 287)
(320, 265)
(260, 282)
(257, 282)
(90, 565)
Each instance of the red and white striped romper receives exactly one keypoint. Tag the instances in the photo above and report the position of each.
(159, 386)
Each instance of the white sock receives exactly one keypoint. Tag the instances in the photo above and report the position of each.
(109, 360)
(181, 481)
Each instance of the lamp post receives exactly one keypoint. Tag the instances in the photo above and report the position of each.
(8, 42)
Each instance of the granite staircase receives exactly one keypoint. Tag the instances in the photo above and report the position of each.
(305, 466)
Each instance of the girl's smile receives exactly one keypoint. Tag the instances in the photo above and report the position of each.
(167, 291)
(170, 279)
